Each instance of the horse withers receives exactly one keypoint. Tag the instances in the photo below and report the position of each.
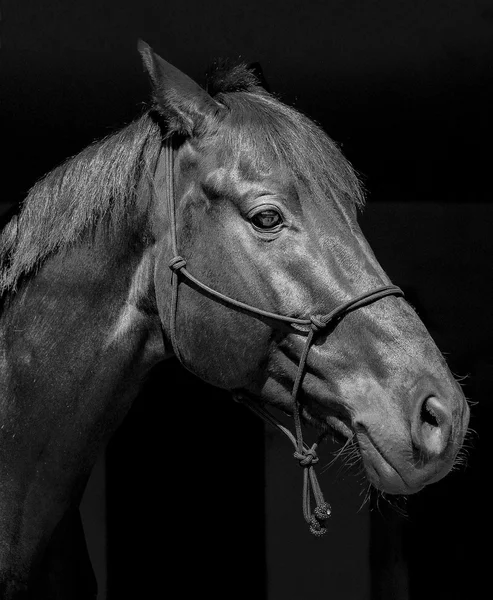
(220, 227)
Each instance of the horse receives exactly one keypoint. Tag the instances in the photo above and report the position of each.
(220, 227)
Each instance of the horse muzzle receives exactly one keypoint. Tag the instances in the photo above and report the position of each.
(403, 462)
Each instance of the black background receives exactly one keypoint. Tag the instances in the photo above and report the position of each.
(406, 89)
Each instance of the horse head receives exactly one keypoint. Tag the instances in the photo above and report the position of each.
(265, 213)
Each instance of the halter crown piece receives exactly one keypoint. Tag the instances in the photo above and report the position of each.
(306, 455)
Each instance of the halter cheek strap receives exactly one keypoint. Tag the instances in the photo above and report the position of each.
(306, 456)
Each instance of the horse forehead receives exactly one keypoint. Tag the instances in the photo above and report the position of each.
(246, 172)
(240, 174)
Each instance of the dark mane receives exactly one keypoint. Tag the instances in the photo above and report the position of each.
(101, 181)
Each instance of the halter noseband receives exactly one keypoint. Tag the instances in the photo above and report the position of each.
(306, 455)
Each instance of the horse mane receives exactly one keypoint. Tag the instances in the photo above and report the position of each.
(98, 183)
(102, 180)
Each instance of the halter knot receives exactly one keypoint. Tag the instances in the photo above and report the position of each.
(317, 323)
(177, 263)
(307, 457)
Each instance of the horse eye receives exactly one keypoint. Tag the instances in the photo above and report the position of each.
(267, 219)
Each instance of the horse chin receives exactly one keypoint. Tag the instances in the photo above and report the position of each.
(381, 473)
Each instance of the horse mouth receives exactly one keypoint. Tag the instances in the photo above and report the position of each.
(380, 470)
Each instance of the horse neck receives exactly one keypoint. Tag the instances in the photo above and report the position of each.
(98, 292)
(75, 341)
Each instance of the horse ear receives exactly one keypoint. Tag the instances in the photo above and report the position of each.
(184, 104)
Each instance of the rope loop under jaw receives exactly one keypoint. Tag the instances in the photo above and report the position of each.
(317, 520)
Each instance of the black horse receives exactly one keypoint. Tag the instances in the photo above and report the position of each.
(273, 294)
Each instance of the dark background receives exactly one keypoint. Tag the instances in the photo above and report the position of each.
(196, 493)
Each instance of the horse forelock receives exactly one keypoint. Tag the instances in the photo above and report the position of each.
(271, 130)
(225, 77)
(261, 126)
(101, 181)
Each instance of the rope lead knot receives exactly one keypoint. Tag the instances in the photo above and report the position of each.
(307, 457)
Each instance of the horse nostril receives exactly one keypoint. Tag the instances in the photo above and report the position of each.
(428, 415)
(432, 426)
